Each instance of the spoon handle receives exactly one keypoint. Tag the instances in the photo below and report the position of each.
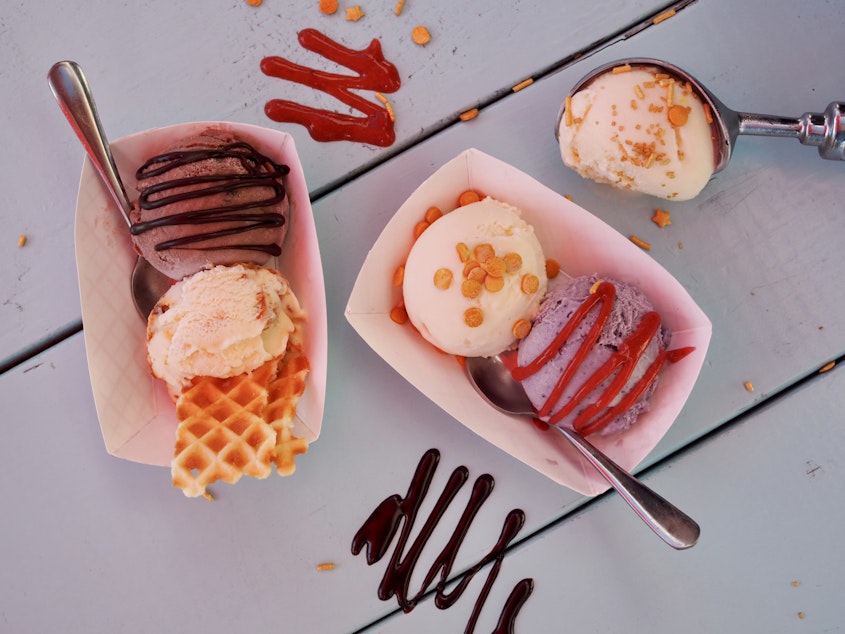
(71, 90)
(672, 525)
(824, 130)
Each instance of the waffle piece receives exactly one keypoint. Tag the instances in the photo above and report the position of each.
(285, 392)
(222, 433)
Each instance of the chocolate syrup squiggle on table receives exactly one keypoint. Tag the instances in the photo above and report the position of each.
(378, 532)
(261, 172)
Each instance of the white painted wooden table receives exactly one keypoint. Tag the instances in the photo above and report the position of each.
(94, 543)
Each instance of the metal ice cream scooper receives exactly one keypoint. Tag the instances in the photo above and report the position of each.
(824, 130)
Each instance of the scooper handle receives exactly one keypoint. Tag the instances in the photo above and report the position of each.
(824, 130)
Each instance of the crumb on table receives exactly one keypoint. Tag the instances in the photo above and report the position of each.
(353, 14)
(328, 7)
(661, 218)
(640, 243)
(421, 35)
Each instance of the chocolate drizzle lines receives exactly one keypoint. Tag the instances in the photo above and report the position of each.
(380, 529)
(261, 172)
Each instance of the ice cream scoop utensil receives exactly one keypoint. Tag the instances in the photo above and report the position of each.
(493, 381)
(71, 90)
(824, 130)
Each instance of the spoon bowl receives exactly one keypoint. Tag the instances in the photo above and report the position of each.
(823, 130)
(492, 379)
(72, 92)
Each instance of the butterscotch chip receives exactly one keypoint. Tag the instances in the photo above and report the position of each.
(513, 262)
(477, 273)
(443, 278)
(463, 251)
(399, 315)
(495, 266)
(521, 328)
(472, 113)
(420, 35)
(473, 317)
(678, 115)
(468, 197)
(432, 214)
(552, 268)
(471, 288)
(494, 283)
(483, 252)
(399, 275)
(421, 226)
(328, 6)
(469, 267)
(530, 283)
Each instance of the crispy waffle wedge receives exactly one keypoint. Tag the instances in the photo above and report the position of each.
(222, 433)
(285, 391)
(242, 425)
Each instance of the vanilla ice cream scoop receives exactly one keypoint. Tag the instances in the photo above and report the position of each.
(219, 322)
(474, 279)
(638, 128)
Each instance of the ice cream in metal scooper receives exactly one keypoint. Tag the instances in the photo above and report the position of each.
(824, 130)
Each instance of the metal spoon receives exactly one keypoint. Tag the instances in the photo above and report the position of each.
(71, 90)
(825, 130)
(494, 382)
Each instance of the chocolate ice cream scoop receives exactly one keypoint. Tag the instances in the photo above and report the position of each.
(212, 199)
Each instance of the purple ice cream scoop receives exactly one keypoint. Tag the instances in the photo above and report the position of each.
(628, 309)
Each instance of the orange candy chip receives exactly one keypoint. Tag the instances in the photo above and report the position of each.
(420, 35)
(443, 278)
(468, 197)
(521, 328)
(328, 7)
(432, 214)
(471, 288)
(399, 275)
(399, 315)
(494, 284)
(530, 283)
(473, 317)
(483, 252)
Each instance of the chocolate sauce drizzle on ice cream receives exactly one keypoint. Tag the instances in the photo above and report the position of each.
(209, 200)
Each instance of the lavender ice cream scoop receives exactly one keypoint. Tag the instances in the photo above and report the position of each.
(630, 312)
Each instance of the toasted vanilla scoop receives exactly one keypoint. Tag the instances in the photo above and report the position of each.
(455, 310)
(639, 130)
(219, 322)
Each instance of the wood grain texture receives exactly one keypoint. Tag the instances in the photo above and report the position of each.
(111, 543)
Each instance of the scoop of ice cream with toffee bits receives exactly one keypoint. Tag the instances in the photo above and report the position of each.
(219, 322)
(474, 279)
(638, 129)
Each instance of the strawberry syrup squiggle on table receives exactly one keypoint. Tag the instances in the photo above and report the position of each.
(374, 73)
